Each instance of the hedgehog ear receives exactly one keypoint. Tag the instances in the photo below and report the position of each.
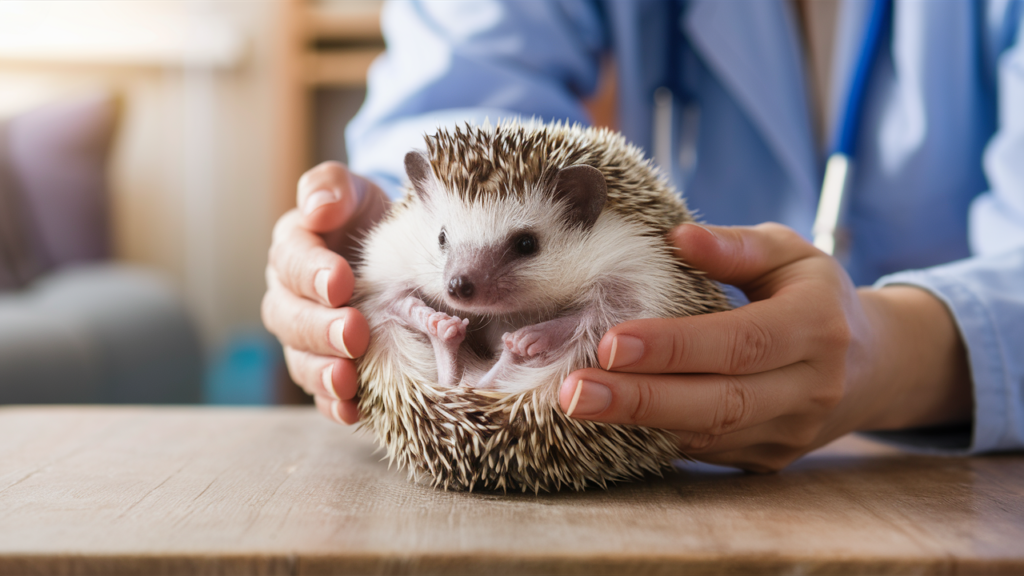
(417, 167)
(584, 191)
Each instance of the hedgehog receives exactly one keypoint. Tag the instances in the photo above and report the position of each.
(514, 249)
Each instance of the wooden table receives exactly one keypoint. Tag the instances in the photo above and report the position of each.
(104, 490)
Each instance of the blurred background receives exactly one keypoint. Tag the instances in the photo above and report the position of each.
(146, 149)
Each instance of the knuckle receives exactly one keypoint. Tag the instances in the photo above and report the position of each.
(836, 335)
(780, 232)
(770, 227)
(750, 349)
(828, 396)
(644, 402)
(694, 442)
(786, 242)
(829, 381)
(291, 266)
(298, 275)
(732, 409)
(676, 353)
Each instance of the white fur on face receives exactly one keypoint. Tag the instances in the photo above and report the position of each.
(480, 233)
(406, 254)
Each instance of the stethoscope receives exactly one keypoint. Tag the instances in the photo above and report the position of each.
(838, 167)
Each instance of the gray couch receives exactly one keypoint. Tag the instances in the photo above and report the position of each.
(106, 333)
(75, 327)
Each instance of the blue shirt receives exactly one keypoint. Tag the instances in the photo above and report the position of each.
(937, 196)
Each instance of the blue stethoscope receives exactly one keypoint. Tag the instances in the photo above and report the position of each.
(840, 160)
(838, 167)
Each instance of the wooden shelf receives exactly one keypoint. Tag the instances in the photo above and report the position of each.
(361, 23)
(343, 68)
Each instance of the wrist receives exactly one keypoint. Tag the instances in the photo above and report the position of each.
(918, 374)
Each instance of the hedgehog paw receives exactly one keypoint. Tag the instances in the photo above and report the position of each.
(539, 340)
(528, 342)
(445, 332)
(449, 329)
(531, 345)
(416, 314)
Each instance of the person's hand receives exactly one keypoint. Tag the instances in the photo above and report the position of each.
(809, 360)
(309, 281)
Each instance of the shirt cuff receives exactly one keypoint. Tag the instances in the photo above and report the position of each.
(977, 323)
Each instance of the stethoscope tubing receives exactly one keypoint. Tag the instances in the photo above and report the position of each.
(839, 167)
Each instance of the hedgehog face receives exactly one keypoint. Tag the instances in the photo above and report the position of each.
(493, 255)
(504, 252)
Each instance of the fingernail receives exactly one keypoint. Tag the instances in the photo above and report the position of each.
(589, 399)
(318, 199)
(336, 334)
(327, 377)
(335, 411)
(706, 229)
(626, 350)
(320, 283)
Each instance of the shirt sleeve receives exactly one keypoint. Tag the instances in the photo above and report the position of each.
(985, 293)
(452, 62)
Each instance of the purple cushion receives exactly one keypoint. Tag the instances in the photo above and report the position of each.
(21, 258)
(53, 172)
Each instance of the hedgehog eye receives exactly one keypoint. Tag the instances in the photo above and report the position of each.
(442, 240)
(526, 244)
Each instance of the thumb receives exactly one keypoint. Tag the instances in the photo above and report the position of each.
(740, 255)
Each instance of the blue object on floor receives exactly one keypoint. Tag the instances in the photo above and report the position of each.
(244, 371)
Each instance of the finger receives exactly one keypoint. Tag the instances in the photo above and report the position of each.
(793, 432)
(328, 195)
(754, 338)
(341, 411)
(318, 375)
(305, 265)
(803, 315)
(759, 458)
(306, 325)
(697, 445)
(740, 255)
(705, 403)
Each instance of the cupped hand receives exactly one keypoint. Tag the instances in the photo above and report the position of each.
(810, 359)
(309, 281)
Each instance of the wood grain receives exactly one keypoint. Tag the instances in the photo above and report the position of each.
(102, 490)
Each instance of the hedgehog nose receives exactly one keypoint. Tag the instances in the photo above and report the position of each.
(460, 287)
